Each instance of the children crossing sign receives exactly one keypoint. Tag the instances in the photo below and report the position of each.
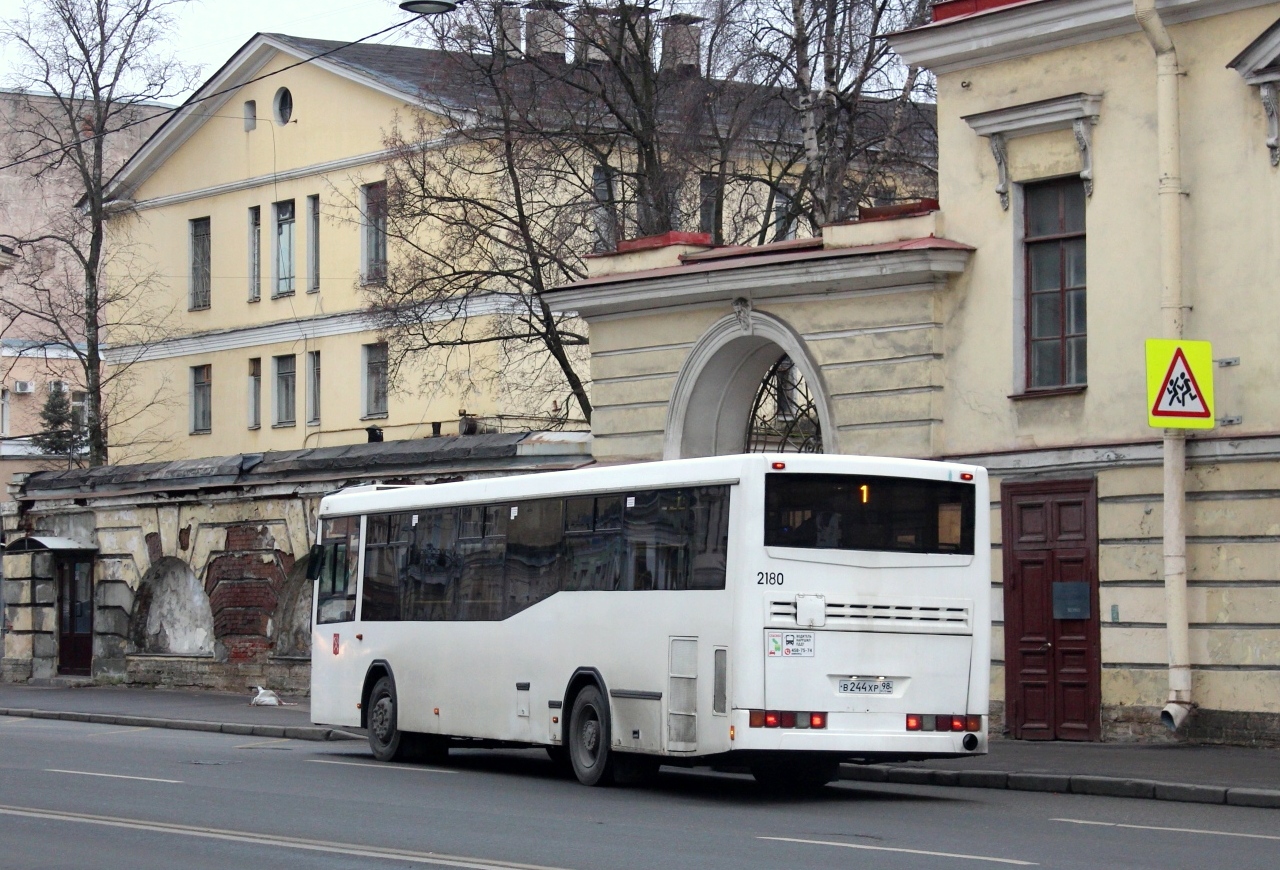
(1179, 384)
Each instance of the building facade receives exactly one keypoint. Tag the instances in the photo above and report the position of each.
(1007, 328)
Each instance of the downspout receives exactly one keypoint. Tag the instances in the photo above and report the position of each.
(1173, 309)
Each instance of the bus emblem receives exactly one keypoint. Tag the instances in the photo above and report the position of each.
(335, 644)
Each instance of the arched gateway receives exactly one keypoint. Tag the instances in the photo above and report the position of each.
(748, 384)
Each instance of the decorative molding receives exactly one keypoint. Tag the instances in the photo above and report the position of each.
(999, 150)
(907, 268)
(1267, 91)
(1035, 28)
(742, 311)
(1075, 112)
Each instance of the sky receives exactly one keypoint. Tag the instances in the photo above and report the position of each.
(209, 31)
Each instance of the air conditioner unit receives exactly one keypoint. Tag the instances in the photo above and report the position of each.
(24, 387)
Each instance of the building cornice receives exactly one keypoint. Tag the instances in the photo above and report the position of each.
(1034, 28)
(904, 268)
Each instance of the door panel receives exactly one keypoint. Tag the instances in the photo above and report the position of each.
(75, 616)
(1052, 665)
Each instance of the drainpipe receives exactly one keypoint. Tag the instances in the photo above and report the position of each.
(1173, 309)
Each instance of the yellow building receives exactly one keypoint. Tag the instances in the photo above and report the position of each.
(260, 207)
(964, 333)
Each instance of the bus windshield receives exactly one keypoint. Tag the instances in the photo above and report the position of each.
(866, 512)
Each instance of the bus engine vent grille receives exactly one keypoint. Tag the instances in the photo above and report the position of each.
(948, 616)
(682, 696)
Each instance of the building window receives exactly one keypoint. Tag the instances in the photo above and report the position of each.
(285, 226)
(255, 253)
(201, 264)
(255, 393)
(604, 214)
(284, 106)
(709, 204)
(313, 244)
(250, 115)
(375, 233)
(80, 407)
(313, 388)
(4, 411)
(784, 222)
(1055, 288)
(375, 380)
(201, 399)
(286, 390)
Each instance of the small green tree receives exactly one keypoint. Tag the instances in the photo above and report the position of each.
(63, 433)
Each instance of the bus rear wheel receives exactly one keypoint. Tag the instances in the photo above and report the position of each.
(589, 737)
(385, 739)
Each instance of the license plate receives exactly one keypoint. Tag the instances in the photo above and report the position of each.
(866, 687)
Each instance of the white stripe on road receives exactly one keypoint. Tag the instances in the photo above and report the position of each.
(110, 775)
(905, 851)
(257, 839)
(1171, 830)
(263, 743)
(124, 731)
(380, 766)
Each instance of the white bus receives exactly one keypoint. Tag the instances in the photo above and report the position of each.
(781, 613)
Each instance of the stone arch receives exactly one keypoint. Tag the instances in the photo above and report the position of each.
(290, 625)
(714, 391)
(171, 612)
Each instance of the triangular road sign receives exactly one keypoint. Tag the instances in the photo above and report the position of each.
(1180, 396)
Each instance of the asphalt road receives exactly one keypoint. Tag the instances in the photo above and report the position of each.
(75, 795)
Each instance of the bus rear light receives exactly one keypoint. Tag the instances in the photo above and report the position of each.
(771, 718)
(973, 723)
(942, 723)
(757, 719)
(965, 475)
(931, 722)
(778, 466)
(817, 720)
(787, 719)
(914, 722)
(957, 723)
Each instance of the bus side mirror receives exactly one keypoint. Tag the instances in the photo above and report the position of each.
(315, 561)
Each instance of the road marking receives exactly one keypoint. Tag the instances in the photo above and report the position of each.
(110, 775)
(15, 720)
(257, 839)
(904, 851)
(1172, 830)
(263, 743)
(125, 731)
(380, 766)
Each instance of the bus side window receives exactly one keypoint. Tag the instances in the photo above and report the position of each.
(535, 559)
(430, 575)
(336, 595)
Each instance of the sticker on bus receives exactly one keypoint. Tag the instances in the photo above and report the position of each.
(788, 644)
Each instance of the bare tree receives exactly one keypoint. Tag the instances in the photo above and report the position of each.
(90, 74)
(539, 145)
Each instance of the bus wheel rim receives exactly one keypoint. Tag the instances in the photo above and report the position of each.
(381, 720)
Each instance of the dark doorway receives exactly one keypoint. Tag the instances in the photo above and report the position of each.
(1052, 656)
(74, 576)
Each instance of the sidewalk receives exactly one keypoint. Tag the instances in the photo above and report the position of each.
(167, 708)
(1202, 774)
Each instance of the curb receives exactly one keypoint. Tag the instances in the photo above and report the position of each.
(1104, 786)
(291, 732)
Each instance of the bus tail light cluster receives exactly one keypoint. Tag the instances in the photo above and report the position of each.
(787, 719)
(933, 722)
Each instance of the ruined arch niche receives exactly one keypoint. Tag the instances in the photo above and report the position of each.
(713, 393)
(171, 612)
(290, 625)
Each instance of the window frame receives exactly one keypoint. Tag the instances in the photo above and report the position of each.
(200, 275)
(280, 378)
(255, 392)
(373, 233)
(255, 253)
(284, 264)
(367, 391)
(313, 243)
(313, 388)
(1061, 238)
(201, 423)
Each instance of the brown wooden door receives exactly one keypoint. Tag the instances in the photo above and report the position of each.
(1052, 657)
(75, 615)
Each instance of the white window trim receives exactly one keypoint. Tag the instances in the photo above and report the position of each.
(365, 277)
(193, 427)
(276, 422)
(254, 419)
(255, 293)
(314, 385)
(366, 412)
(313, 244)
(276, 292)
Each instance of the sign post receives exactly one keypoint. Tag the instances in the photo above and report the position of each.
(1179, 384)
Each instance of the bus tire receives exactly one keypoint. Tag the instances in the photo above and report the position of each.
(795, 775)
(385, 739)
(589, 736)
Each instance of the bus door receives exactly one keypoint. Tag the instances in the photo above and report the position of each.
(336, 665)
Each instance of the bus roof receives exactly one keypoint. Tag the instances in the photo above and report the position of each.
(708, 471)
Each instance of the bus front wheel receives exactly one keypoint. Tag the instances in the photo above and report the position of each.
(589, 737)
(385, 739)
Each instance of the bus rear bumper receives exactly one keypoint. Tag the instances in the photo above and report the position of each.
(854, 744)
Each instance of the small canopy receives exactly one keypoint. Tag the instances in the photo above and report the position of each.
(45, 542)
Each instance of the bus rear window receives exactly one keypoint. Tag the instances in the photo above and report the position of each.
(865, 512)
